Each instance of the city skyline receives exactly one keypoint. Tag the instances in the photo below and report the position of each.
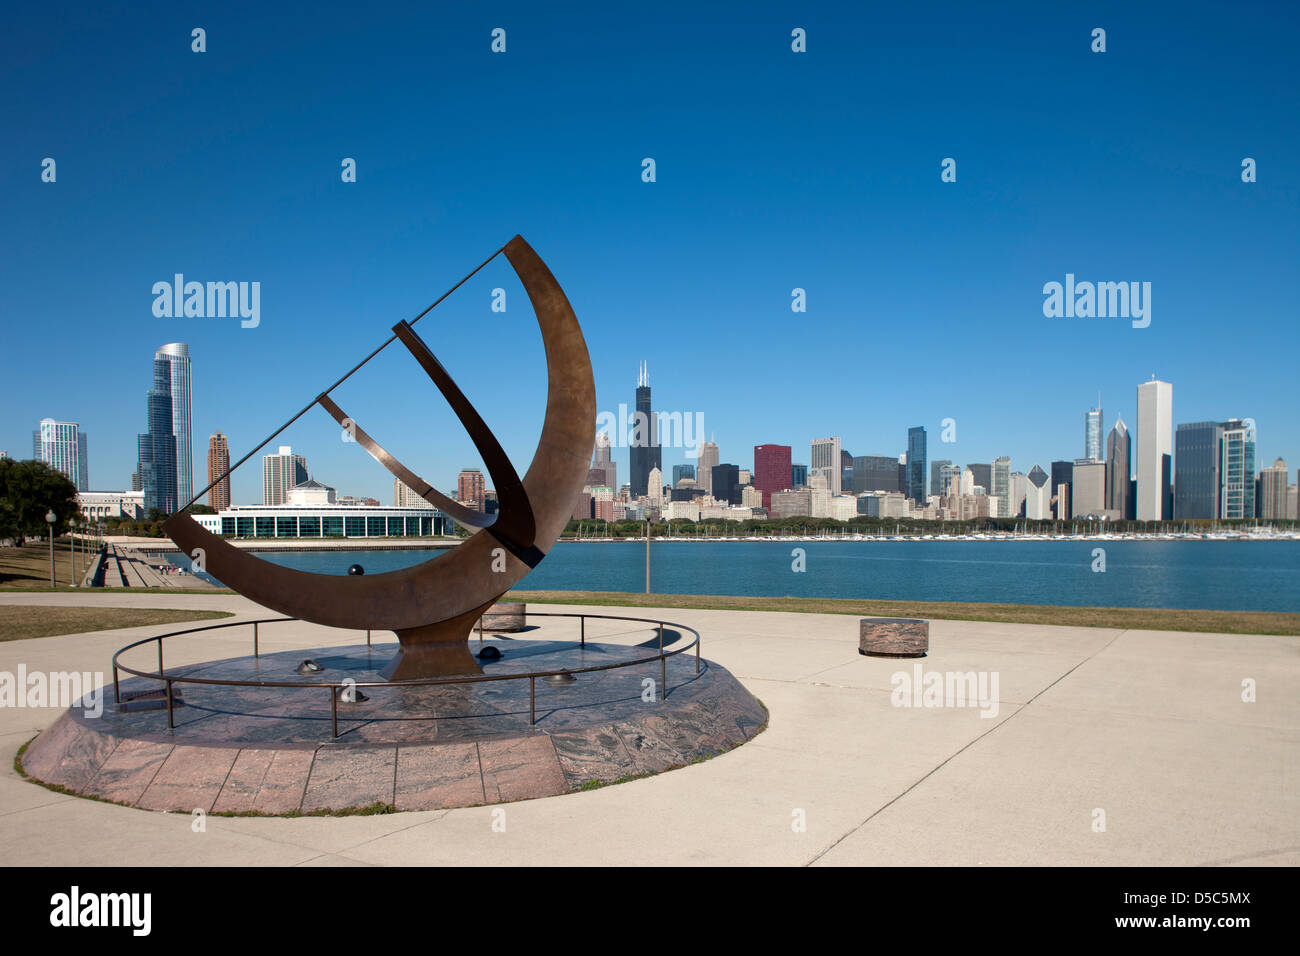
(846, 205)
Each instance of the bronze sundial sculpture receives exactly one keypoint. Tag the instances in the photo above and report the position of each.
(433, 606)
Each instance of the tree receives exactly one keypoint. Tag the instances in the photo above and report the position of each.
(29, 489)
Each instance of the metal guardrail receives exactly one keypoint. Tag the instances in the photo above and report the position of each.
(335, 686)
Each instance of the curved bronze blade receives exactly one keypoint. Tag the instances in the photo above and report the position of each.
(458, 512)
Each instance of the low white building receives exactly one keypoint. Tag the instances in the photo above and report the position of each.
(98, 505)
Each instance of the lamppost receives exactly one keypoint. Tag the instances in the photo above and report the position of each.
(72, 551)
(50, 518)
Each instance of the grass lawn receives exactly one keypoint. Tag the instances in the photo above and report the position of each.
(20, 621)
(1148, 619)
(29, 566)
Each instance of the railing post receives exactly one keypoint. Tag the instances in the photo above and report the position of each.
(160, 664)
(582, 623)
(117, 693)
(663, 677)
(532, 700)
(698, 639)
(367, 637)
(255, 653)
(171, 722)
(334, 711)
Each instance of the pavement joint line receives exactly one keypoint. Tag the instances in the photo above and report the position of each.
(935, 769)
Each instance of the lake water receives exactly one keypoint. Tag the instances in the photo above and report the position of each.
(1225, 575)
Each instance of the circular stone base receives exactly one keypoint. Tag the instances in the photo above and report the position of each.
(271, 750)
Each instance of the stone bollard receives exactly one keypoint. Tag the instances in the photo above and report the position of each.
(893, 637)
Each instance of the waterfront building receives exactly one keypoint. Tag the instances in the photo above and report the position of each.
(1001, 489)
(1237, 469)
(1155, 400)
(798, 476)
(280, 472)
(1019, 492)
(645, 452)
(950, 480)
(825, 461)
(99, 505)
(62, 446)
(751, 497)
(1038, 495)
(602, 460)
(1119, 466)
(405, 497)
(471, 489)
(311, 492)
(156, 447)
(1273, 492)
(329, 521)
(726, 483)
(790, 504)
(1092, 433)
(218, 465)
(176, 357)
(1088, 490)
(844, 507)
(706, 461)
(936, 475)
(772, 471)
(875, 473)
(1062, 476)
(1196, 470)
(916, 464)
(983, 475)
(655, 486)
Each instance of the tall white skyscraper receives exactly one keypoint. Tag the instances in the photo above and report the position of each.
(177, 356)
(1155, 420)
(708, 458)
(825, 460)
(62, 446)
(281, 472)
(1001, 489)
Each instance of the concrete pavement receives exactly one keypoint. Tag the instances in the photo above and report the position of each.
(1108, 748)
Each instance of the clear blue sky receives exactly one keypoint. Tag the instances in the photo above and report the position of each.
(775, 170)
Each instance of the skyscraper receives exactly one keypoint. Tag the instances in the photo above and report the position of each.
(1237, 469)
(471, 489)
(1196, 470)
(281, 472)
(1092, 433)
(1062, 480)
(62, 446)
(645, 452)
(705, 462)
(157, 446)
(1273, 492)
(682, 471)
(1038, 496)
(1001, 489)
(825, 461)
(916, 464)
(983, 475)
(1118, 466)
(936, 475)
(772, 471)
(1088, 490)
(177, 357)
(602, 460)
(218, 463)
(875, 473)
(1155, 401)
(726, 483)
(798, 476)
